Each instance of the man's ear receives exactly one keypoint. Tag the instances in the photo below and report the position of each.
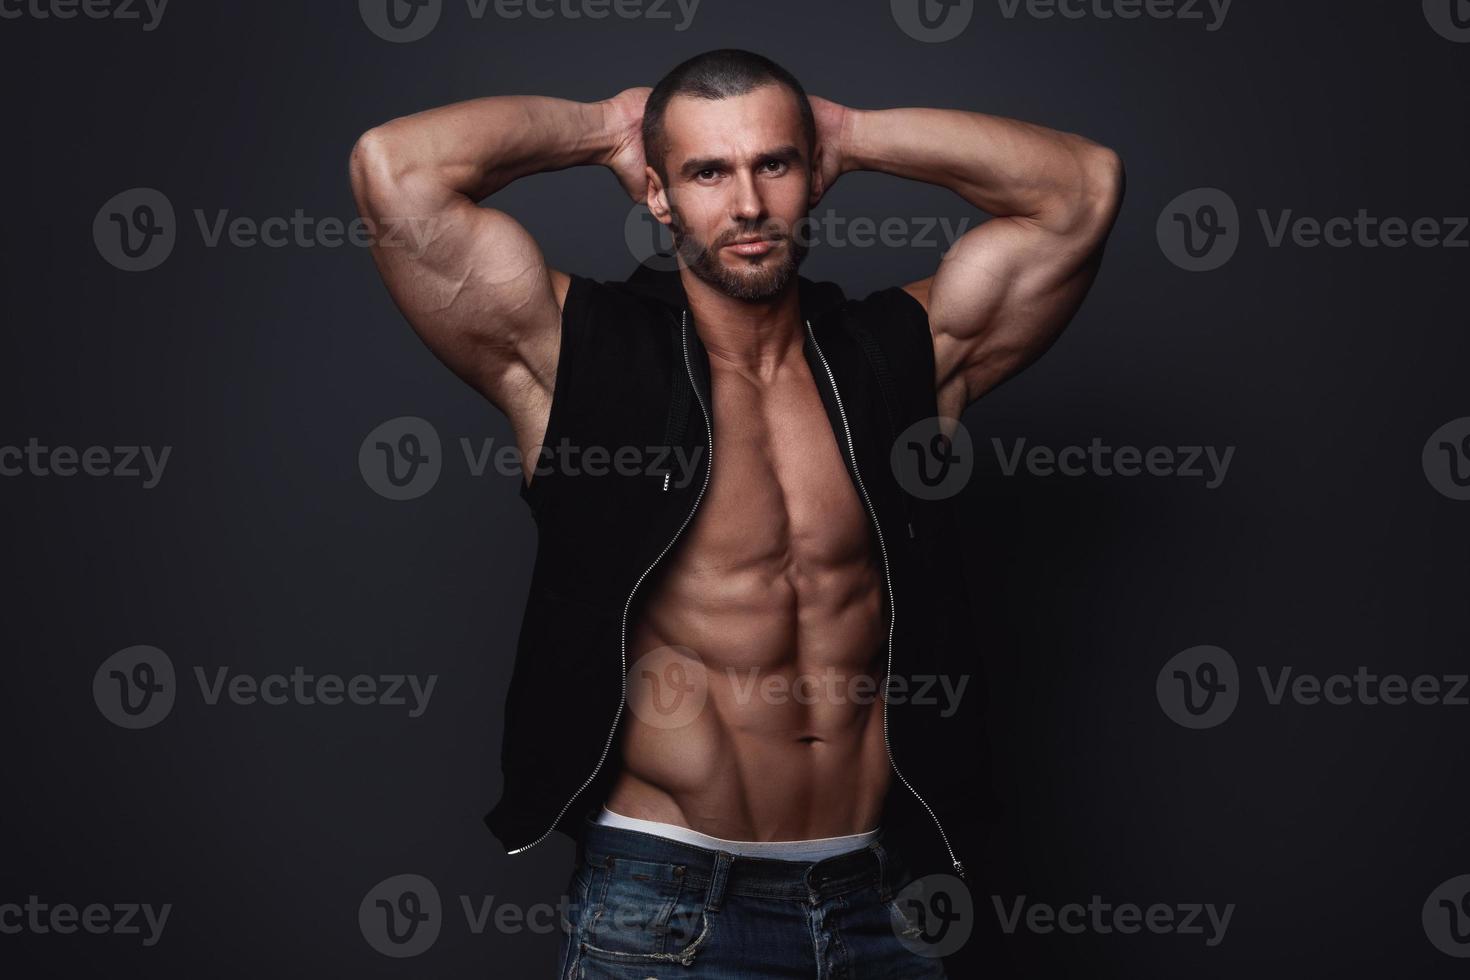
(816, 185)
(658, 199)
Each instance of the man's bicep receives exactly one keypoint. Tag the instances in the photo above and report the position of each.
(1001, 296)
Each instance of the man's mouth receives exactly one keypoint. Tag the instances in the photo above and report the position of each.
(759, 246)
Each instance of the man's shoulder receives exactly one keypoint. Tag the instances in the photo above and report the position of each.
(894, 319)
(887, 304)
(613, 315)
(598, 295)
(891, 326)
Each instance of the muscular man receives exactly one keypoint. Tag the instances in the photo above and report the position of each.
(745, 837)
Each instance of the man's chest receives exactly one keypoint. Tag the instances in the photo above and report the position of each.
(780, 496)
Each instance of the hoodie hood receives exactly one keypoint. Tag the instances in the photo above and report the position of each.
(667, 288)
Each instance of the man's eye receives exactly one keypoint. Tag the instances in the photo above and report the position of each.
(774, 163)
(702, 173)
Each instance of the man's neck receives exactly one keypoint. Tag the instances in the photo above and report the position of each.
(753, 338)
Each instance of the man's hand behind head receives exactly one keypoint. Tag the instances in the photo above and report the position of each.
(627, 160)
(830, 158)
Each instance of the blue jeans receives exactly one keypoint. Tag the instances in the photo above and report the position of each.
(642, 906)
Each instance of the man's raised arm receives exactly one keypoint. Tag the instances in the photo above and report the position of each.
(1005, 290)
(470, 280)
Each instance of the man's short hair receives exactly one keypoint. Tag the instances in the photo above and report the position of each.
(716, 75)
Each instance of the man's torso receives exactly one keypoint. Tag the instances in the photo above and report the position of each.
(776, 590)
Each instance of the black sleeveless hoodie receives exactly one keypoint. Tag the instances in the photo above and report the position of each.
(633, 373)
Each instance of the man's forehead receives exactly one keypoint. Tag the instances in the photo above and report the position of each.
(762, 120)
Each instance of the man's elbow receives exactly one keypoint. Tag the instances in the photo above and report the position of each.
(373, 170)
(365, 161)
(1084, 203)
(1100, 193)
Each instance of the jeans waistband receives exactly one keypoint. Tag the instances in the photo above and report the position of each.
(722, 873)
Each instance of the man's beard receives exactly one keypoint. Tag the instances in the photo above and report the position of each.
(751, 280)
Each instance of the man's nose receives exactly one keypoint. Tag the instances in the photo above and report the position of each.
(747, 205)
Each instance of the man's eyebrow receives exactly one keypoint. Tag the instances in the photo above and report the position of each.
(786, 153)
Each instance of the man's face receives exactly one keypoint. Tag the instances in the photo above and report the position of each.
(738, 168)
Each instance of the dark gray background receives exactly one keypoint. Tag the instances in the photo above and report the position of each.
(263, 548)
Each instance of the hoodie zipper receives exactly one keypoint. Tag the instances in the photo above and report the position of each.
(888, 583)
(623, 700)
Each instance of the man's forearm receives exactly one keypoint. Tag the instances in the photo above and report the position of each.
(477, 147)
(1002, 166)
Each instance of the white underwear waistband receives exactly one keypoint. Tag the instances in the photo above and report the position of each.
(780, 850)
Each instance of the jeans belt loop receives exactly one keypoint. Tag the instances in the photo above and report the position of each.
(717, 880)
(883, 884)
